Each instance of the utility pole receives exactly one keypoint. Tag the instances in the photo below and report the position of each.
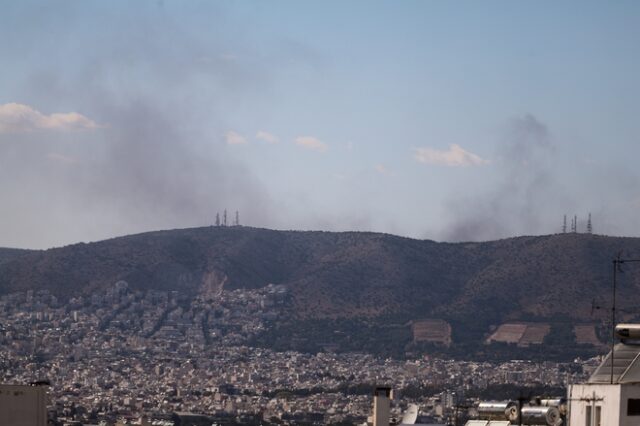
(521, 401)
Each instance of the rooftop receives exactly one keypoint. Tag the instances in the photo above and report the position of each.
(626, 366)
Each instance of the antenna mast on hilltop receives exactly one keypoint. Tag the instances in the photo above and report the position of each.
(589, 227)
(217, 219)
(564, 225)
(224, 218)
(237, 220)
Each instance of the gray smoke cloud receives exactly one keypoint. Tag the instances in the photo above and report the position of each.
(157, 171)
(526, 187)
(158, 161)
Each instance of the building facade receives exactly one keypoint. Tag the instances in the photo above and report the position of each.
(23, 405)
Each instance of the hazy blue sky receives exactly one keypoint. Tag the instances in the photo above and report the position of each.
(443, 120)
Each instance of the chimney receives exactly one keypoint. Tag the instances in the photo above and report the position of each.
(381, 406)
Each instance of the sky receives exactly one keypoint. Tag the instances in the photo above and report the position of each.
(450, 121)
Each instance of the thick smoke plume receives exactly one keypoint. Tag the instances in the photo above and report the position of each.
(158, 158)
(526, 185)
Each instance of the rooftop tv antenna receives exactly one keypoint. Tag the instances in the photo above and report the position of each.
(617, 267)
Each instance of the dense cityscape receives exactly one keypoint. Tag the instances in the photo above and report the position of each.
(312, 213)
(122, 354)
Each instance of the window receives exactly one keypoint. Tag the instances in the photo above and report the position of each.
(590, 419)
(633, 407)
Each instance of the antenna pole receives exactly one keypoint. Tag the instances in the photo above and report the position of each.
(521, 399)
(613, 313)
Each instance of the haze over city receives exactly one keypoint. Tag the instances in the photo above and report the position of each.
(446, 121)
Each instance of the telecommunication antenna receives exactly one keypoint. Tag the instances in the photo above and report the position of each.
(224, 218)
(564, 225)
(237, 220)
(589, 227)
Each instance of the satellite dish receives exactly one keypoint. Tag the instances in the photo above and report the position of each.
(410, 416)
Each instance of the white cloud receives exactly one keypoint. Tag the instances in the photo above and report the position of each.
(339, 176)
(229, 57)
(380, 168)
(454, 156)
(266, 137)
(60, 158)
(312, 143)
(234, 138)
(19, 118)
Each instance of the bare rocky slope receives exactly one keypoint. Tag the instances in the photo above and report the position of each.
(365, 278)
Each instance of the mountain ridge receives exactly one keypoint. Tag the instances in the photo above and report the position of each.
(353, 275)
